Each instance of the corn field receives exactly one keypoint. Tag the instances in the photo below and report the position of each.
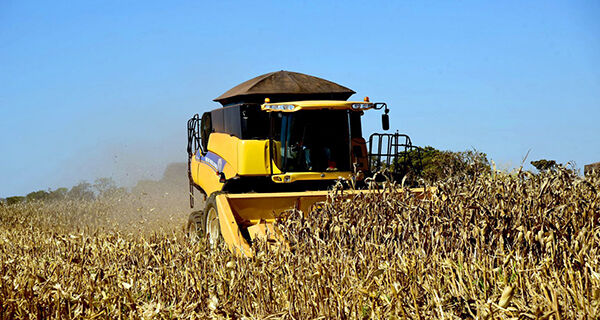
(498, 246)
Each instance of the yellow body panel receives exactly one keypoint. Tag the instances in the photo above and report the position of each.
(205, 177)
(206, 174)
(225, 145)
(239, 158)
(253, 157)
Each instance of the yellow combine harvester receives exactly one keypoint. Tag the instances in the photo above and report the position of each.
(279, 142)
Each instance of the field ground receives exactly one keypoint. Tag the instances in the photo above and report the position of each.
(491, 247)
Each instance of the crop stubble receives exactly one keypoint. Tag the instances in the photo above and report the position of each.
(493, 246)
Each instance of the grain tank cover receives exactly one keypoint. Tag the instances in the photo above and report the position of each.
(284, 86)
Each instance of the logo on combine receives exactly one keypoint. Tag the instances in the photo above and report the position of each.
(213, 160)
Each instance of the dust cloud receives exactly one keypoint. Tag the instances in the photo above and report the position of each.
(152, 178)
(153, 205)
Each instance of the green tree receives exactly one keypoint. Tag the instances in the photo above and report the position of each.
(37, 196)
(14, 200)
(82, 191)
(106, 187)
(58, 194)
(436, 164)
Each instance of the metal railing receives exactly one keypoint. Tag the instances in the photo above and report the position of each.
(395, 154)
(193, 144)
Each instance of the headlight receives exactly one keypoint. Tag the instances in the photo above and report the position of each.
(361, 106)
(279, 107)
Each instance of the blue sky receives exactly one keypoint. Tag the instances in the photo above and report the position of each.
(104, 89)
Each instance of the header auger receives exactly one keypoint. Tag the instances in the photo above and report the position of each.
(279, 142)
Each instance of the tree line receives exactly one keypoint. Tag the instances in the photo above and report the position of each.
(102, 187)
(429, 164)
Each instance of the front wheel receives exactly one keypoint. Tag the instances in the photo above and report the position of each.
(206, 223)
(211, 222)
(195, 226)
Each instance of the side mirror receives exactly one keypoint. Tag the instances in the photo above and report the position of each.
(385, 121)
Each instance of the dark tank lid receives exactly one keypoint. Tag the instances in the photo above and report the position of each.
(284, 86)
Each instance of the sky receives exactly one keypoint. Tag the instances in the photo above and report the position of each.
(104, 88)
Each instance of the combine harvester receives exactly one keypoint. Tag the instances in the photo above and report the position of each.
(279, 142)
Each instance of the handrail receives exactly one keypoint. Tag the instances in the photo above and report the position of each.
(394, 152)
(193, 144)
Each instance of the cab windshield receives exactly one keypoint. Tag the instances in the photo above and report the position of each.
(311, 140)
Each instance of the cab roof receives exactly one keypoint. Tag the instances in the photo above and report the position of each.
(284, 86)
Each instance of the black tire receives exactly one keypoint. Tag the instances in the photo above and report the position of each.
(195, 226)
(199, 227)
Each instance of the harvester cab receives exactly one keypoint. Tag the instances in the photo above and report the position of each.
(279, 143)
